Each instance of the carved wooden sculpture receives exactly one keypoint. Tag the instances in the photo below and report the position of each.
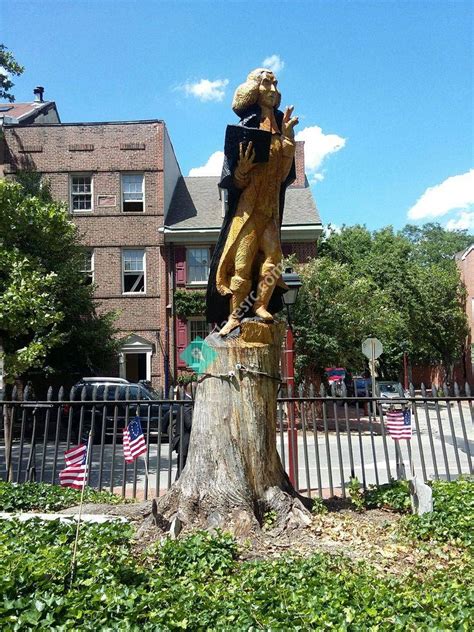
(233, 474)
(246, 264)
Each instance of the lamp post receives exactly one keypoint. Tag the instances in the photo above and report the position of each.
(293, 281)
(404, 347)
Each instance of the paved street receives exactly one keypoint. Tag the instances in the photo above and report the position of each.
(323, 464)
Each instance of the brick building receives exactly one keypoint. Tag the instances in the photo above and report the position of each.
(148, 230)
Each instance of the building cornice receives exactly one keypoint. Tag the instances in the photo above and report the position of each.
(289, 233)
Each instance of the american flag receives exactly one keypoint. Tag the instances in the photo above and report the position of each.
(75, 473)
(399, 424)
(133, 441)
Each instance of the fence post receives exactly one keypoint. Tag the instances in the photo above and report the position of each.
(463, 426)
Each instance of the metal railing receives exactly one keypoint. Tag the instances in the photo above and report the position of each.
(323, 439)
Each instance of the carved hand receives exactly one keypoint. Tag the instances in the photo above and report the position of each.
(246, 159)
(289, 123)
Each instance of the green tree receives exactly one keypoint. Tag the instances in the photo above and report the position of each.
(8, 67)
(48, 319)
(402, 287)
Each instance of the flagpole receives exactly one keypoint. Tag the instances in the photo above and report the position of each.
(145, 458)
(86, 477)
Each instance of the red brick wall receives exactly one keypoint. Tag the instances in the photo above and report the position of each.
(299, 164)
(59, 146)
(303, 250)
(107, 229)
(466, 268)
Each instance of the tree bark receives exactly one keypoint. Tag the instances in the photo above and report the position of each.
(233, 474)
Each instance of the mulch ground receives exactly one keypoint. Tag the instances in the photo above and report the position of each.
(368, 536)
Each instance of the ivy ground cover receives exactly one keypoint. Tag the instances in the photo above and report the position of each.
(201, 582)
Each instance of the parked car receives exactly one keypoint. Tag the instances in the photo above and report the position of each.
(116, 400)
(335, 374)
(390, 391)
(336, 377)
(362, 387)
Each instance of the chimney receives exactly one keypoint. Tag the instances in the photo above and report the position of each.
(38, 92)
(300, 181)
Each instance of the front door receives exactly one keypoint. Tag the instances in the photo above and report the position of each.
(135, 367)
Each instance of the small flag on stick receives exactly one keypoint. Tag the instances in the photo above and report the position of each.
(399, 424)
(133, 441)
(74, 474)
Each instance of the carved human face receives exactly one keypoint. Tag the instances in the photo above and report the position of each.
(267, 91)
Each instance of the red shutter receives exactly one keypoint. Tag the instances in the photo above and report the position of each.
(181, 340)
(180, 264)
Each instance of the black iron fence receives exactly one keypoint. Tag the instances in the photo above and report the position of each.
(324, 439)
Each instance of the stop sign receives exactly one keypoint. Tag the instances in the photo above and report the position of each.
(372, 348)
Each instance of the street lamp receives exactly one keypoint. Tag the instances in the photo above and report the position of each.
(293, 282)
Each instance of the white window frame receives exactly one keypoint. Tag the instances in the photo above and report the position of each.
(91, 270)
(129, 293)
(132, 173)
(188, 249)
(71, 195)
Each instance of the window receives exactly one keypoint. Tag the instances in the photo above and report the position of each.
(81, 193)
(198, 328)
(133, 267)
(198, 331)
(88, 269)
(132, 193)
(197, 260)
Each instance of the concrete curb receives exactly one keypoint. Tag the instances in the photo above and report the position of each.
(24, 517)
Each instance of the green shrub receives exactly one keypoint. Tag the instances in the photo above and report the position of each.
(452, 519)
(318, 506)
(45, 497)
(356, 494)
(394, 496)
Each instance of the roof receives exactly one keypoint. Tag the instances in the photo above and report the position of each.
(101, 123)
(196, 204)
(464, 253)
(23, 111)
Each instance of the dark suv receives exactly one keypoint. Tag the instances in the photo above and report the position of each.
(111, 402)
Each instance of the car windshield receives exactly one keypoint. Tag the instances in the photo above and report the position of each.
(389, 388)
(336, 372)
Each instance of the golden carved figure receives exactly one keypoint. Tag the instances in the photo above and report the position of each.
(249, 260)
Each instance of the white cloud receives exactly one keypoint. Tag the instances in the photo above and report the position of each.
(331, 228)
(454, 193)
(464, 221)
(213, 166)
(318, 145)
(206, 90)
(274, 63)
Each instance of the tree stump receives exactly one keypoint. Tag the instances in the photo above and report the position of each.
(233, 474)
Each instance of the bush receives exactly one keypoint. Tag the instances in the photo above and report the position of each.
(45, 497)
(394, 496)
(452, 519)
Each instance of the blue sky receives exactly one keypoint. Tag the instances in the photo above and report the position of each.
(384, 90)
